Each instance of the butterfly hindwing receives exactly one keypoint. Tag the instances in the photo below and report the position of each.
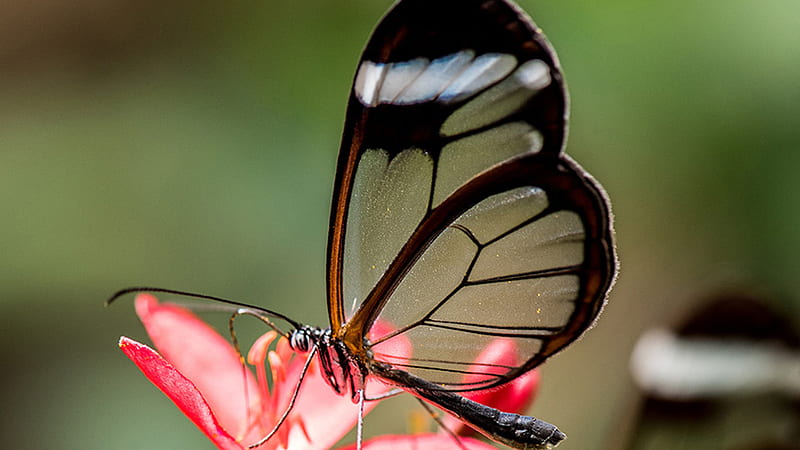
(523, 269)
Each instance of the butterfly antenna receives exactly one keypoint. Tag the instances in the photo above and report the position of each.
(260, 313)
(290, 407)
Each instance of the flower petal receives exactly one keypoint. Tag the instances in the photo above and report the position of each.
(180, 390)
(511, 397)
(205, 358)
(418, 441)
(514, 397)
(327, 417)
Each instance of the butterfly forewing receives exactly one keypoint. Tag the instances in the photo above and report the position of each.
(457, 223)
(444, 90)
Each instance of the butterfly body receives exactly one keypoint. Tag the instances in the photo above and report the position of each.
(514, 430)
(347, 374)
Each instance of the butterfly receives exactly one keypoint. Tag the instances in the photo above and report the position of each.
(457, 220)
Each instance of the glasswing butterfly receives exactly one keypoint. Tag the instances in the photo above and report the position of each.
(457, 220)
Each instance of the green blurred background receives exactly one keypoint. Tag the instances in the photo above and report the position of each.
(192, 145)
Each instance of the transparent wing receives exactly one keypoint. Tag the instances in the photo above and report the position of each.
(444, 91)
(457, 221)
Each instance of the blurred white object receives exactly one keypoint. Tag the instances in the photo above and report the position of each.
(673, 367)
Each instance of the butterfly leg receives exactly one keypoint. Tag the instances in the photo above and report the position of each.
(437, 418)
(289, 408)
(513, 430)
(237, 347)
(389, 394)
(360, 428)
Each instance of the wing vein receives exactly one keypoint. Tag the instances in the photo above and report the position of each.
(496, 327)
(544, 273)
(488, 333)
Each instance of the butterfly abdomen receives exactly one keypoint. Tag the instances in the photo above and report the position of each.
(514, 430)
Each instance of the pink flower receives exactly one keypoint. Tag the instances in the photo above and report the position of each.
(511, 397)
(201, 373)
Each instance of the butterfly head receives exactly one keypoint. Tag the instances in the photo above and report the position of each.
(302, 339)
